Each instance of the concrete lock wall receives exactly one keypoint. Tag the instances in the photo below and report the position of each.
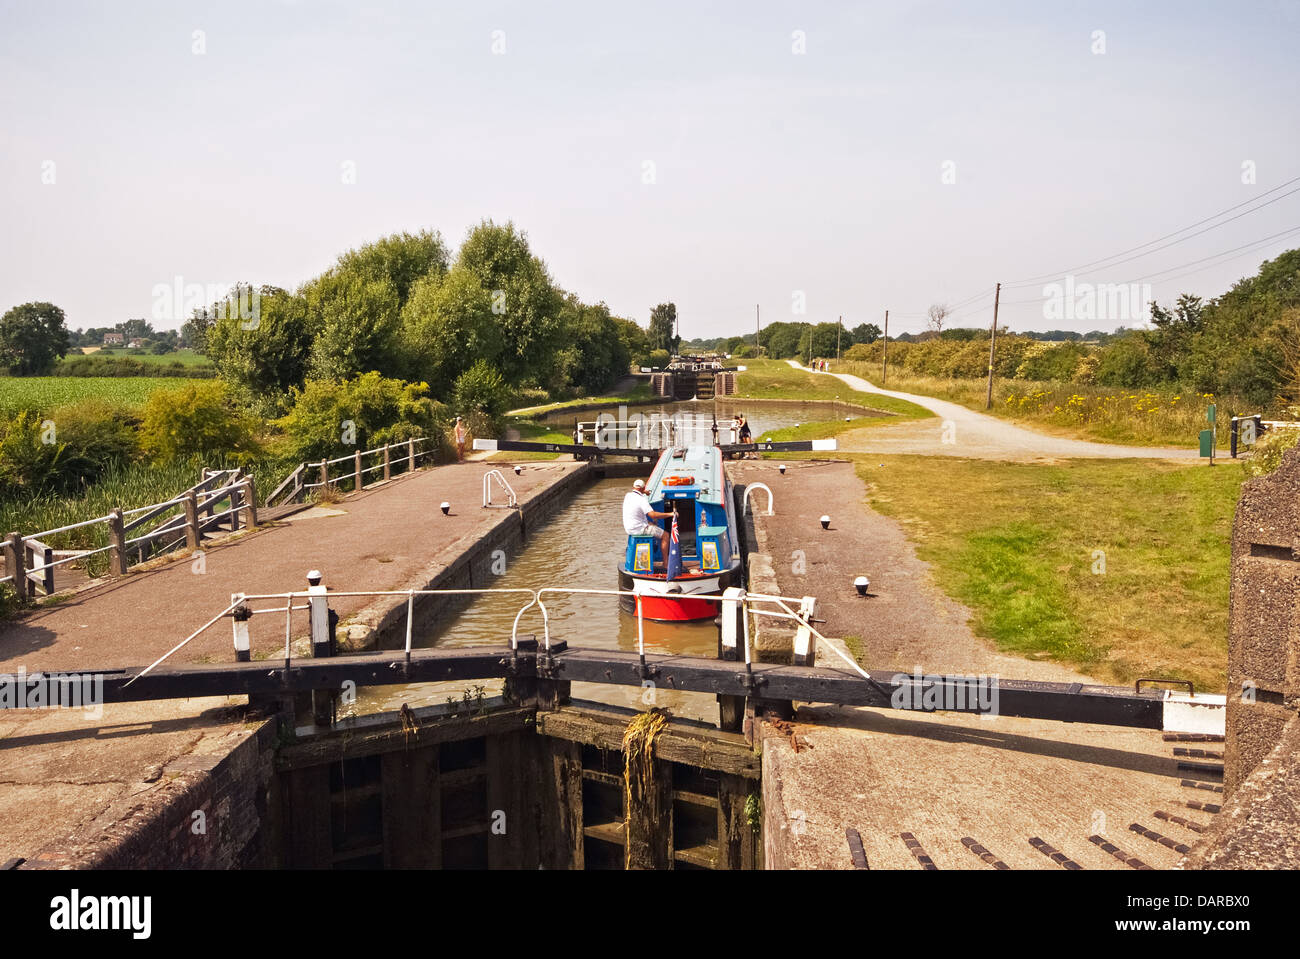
(1259, 826)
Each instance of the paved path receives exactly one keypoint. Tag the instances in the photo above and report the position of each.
(381, 539)
(963, 432)
(65, 772)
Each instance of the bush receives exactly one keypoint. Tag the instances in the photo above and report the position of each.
(481, 389)
(380, 411)
(198, 419)
(657, 359)
(1271, 447)
(29, 461)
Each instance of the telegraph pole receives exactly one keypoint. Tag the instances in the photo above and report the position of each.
(993, 339)
(838, 330)
(884, 350)
(758, 326)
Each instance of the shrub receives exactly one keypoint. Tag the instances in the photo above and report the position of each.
(380, 410)
(198, 419)
(28, 460)
(1271, 447)
(481, 389)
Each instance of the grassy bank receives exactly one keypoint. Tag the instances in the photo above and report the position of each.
(1117, 568)
(778, 380)
(525, 429)
(641, 393)
(1137, 417)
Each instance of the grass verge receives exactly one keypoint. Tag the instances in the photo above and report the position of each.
(1118, 568)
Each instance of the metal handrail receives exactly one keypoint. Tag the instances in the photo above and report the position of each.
(512, 500)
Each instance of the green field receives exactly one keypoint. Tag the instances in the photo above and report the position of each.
(45, 393)
(184, 357)
(1118, 568)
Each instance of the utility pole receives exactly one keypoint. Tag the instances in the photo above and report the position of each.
(993, 340)
(838, 330)
(758, 327)
(884, 351)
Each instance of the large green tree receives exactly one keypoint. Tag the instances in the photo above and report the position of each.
(33, 337)
(524, 299)
(448, 324)
(663, 326)
(264, 354)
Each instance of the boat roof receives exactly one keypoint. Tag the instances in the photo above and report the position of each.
(702, 462)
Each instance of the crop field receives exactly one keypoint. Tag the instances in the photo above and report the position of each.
(45, 393)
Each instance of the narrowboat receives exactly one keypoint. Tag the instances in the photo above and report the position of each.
(690, 482)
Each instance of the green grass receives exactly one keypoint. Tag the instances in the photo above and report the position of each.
(824, 429)
(641, 393)
(533, 433)
(778, 380)
(184, 357)
(1023, 545)
(44, 393)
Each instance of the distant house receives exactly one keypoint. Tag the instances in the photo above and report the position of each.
(113, 339)
(136, 343)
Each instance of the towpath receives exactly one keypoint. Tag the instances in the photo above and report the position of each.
(940, 777)
(963, 432)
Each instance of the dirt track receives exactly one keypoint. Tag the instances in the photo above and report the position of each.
(963, 432)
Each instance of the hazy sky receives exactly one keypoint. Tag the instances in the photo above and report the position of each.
(774, 171)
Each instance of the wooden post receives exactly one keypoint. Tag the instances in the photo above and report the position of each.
(38, 553)
(16, 564)
(236, 503)
(250, 504)
(324, 476)
(993, 339)
(410, 449)
(388, 473)
(650, 820)
(884, 352)
(357, 485)
(117, 540)
(192, 535)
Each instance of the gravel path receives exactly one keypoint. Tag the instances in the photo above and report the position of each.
(963, 432)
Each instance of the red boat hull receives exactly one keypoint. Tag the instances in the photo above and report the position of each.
(688, 608)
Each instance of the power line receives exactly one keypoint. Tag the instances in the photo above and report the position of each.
(1030, 281)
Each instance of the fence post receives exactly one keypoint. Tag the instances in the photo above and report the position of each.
(410, 450)
(250, 504)
(324, 476)
(731, 631)
(16, 564)
(387, 466)
(236, 503)
(117, 542)
(357, 460)
(45, 559)
(191, 505)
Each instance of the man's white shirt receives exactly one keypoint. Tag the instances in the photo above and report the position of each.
(636, 512)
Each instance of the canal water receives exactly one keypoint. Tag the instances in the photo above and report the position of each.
(581, 547)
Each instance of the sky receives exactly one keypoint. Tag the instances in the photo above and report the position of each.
(836, 158)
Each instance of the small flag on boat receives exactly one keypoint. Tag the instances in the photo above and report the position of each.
(674, 552)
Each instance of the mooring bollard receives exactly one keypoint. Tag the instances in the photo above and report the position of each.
(324, 622)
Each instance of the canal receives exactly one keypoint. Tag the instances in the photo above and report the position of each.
(582, 547)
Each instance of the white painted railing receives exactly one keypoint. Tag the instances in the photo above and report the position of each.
(488, 477)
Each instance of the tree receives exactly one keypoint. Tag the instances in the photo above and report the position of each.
(32, 338)
(662, 332)
(865, 333)
(267, 354)
(380, 410)
(525, 302)
(937, 313)
(448, 324)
